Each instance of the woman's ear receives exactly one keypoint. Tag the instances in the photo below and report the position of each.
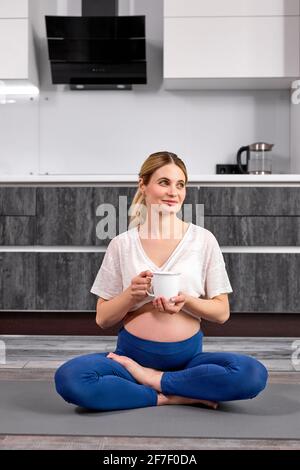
(141, 185)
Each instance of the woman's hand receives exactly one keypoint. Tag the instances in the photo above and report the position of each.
(164, 305)
(139, 286)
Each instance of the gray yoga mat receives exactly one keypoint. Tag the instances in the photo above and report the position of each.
(32, 407)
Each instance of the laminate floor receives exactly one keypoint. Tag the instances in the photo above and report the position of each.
(37, 357)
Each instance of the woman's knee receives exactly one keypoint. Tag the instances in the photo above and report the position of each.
(64, 380)
(253, 377)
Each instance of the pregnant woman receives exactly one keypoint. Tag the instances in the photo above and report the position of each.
(158, 359)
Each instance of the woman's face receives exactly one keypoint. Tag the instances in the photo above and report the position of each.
(166, 188)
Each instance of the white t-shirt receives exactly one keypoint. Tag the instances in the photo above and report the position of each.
(197, 257)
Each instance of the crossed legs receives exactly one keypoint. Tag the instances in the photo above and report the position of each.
(104, 381)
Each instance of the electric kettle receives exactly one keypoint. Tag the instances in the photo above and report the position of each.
(259, 160)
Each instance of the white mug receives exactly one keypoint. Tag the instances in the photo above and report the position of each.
(165, 284)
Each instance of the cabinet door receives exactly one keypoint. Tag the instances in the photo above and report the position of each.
(17, 201)
(64, 280)
(17, 230)
(17, 281)
(231, 7)
(14, 9)
(231, 47)
(13, 48)
(250, 201)
(264, 282)
(255, 231)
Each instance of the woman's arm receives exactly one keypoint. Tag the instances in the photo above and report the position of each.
(215, 310)
(110, 312)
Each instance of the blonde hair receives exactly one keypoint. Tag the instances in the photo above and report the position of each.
(138, 209)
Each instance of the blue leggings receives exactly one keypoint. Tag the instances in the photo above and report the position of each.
(96, 382)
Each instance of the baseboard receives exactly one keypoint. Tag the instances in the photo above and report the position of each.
(83, 323)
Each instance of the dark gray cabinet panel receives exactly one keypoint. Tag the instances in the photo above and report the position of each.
(264, 282)
(70, 216)
(17, 281)
(65, 279)
(17, 230)
(251, 231)
(65, 216)
(251, 201)
(17, 201)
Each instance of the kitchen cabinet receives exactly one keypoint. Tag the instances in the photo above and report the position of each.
(64, 280)
(257, 217)
(58, 223)
(14, 9)
(253, 45)
(264, 282)
(231, 7)
(17, 51)
(18, 281)
(13, 48)
(17, 201)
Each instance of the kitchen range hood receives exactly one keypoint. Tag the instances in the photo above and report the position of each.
(98, 50)
(18, 66)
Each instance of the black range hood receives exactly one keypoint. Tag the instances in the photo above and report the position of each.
(97, 52)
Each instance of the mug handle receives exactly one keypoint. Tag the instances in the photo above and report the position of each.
(150, 293)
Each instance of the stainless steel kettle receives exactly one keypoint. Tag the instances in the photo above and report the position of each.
(259, 160)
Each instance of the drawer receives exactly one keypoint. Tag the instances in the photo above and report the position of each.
(17, 201)
(254, 231)
(17, 230)
(250, 201)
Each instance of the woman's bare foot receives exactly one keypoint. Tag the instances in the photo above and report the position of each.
(178, 400)
(144, 375)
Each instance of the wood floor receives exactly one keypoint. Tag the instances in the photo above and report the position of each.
(37, 357)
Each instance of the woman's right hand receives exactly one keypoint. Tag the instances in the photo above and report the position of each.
(139, 286)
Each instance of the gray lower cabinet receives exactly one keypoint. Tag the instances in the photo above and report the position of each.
(254, 231)
(48, 281)
(84, 216)
(65, 279)
(17, 201)
(250, 201)
(252, 216)
(261, 282)
(17, 230)
(17, 281)
(264, 282)
(92, 216)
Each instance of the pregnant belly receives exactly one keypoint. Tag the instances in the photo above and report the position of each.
(149, 323)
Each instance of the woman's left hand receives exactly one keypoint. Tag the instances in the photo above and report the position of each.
(164, 305)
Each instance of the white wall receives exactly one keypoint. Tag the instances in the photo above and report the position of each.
(112, 132)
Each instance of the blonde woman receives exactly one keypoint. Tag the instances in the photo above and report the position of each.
(158, 359)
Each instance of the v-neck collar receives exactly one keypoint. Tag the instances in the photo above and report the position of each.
(176, 249)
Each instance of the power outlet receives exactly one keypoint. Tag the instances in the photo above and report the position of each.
(229, 169)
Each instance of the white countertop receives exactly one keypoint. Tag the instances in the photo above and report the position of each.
(69, 179)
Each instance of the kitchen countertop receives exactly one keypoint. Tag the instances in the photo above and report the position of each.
(211, 179)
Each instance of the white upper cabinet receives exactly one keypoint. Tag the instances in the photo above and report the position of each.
(232, 44)
(13, 8)
(13, 49)
(231, 7)
(18, 66)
